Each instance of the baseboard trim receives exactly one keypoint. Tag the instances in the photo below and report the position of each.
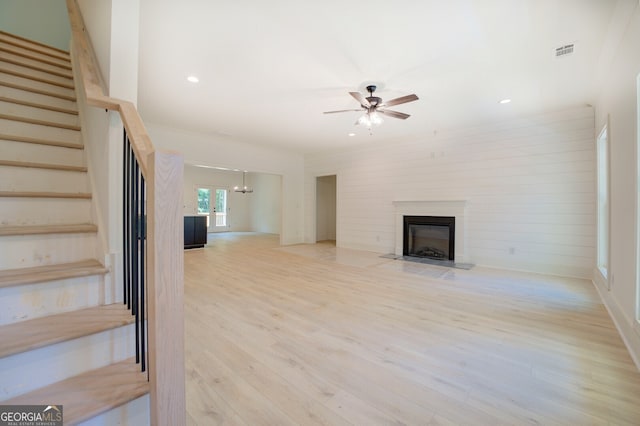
(629, 330)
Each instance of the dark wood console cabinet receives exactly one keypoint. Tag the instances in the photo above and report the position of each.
(195, 231)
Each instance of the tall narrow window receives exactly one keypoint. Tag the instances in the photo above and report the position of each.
(638, 201)
(221, 207)
(603, 202)
(204, 202)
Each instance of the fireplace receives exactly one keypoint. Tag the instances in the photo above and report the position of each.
(443, 208)
(431, 237)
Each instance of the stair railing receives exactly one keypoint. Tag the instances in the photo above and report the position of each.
(154, 245)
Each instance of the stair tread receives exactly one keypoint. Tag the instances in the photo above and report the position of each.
(39, 91)
(37, 274)
(49, 166)
(38, 105)
(43, 194)
(47, 229)
(14, 59)
(53, 82)
(39, 332)
(91, 393)
(39, 122)
(34, 46)
(64, 64)
(41, 141)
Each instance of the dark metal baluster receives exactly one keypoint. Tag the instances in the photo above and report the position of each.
(136, 256)
(134, 252)
(125, 150)
(127, 223)
(143, 240)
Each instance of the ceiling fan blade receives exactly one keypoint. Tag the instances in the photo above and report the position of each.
(401, 100)
(394, 114)
(360, 98)
(342, 110)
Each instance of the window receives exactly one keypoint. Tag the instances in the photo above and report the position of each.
(214, 208)
(602, 146)
(221, 207)
(638, 201)
(204, 202)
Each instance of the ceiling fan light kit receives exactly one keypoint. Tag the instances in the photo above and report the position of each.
(373, 107)
(370, 119)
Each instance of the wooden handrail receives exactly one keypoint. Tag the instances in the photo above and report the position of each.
(163, 173)
(95, 94)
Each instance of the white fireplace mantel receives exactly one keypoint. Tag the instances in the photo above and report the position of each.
(455, 208)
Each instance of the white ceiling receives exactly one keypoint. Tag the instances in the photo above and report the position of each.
(268, 69)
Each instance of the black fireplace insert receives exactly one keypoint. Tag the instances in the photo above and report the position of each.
(430, 237)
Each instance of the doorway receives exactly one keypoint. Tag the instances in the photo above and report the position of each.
(326, 208)
(212, 203)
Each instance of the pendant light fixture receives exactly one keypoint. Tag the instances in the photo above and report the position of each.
(243, 189)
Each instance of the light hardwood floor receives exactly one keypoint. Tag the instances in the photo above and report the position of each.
(311, 334)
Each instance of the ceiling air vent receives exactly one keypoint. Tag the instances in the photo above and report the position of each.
(565, 50)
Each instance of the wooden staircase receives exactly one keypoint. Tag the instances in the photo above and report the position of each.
(65, 339)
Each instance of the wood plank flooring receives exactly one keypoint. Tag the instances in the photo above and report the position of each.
(311, 334)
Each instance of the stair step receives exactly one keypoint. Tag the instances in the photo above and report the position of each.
(35, 64)
(38, 122)
(91, 393)
(36, 300)
(5, 47)
(29, 179)
(40, 141)
(26, 194)
(25, 97)
(29, 85)
(39, 332)
(48, 229)
(46, 249)
(38, 274)
(31, 76)
(38, 153)
(21, 129)
(34, 46)
(25, 372)
(38, 113)
(27, 164)
(12, 106)
(59, 211)
(15, 67)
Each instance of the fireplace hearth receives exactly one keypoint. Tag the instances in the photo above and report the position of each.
(430, 237)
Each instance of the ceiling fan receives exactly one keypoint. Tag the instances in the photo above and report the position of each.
(373, 106)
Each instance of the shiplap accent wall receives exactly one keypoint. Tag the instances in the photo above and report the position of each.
(529, 186)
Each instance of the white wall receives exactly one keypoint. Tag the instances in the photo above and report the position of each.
(529, 185)
(113, 27)
(618, 101)
(265, 203)
(42, 21)
(108, 24)
(97, 20)
(216, 151)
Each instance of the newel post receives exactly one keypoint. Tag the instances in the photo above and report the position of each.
(166, 288)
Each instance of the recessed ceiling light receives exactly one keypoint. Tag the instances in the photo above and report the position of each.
(505, 101)
(352, 134)
(193, 79)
